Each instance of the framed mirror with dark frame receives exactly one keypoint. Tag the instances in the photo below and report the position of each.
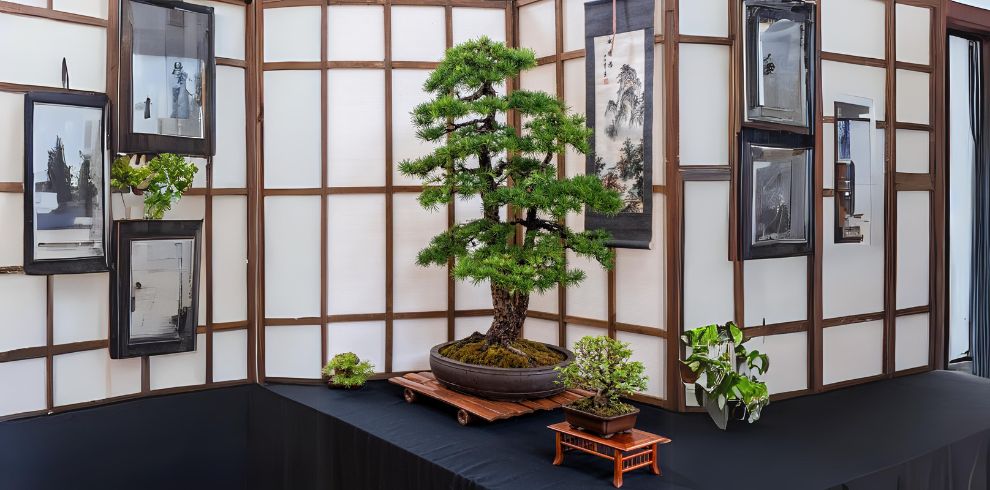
(168, 78)
(154, 287)
(776, 195)
(857, 177)
(779, 62)
(66, 183)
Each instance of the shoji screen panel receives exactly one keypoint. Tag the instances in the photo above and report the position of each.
(342, 226)
(53, 348)
(628, 302)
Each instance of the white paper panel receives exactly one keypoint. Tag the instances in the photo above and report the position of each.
(92, 8)
(576, 332)
(467, 295)
(912, 96)
(184, 369)
(230, 162)
(366, 339)
(293, 351)
(465, 326)
(708, 275)
(542, 78)
(199, 180)
(33, 3)
(847, 79)
(546, 302)
(230, 21)
(22, 386)
(356, 33)
(418, 33)
(776, 290)
(80, 306)
(913, 244)
(573, 25)
(407, 93)
(356, 128)
(92, 375)
(230, 260)
(12, 136)
(852, 351)
(292, 256)
(913, 34)
(230, 355)
(472, 23)
(416, 288)
(33, 48)
(412, 341)
(538, 330)
(913, 151)
(852, 274)
(659, 117)
(590, 298)
(639, 289)
(911, 342)
(788, 360)
(574, 97)
(292, 34)
(356, 254)
(22, 299)
(652, 352)
(537, 27)
(854, 27)
(292, 128)
(704, 99)
(704, 18)
(12, 229)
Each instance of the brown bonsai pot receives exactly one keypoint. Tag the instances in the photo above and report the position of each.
(498, 383)
(602, 426)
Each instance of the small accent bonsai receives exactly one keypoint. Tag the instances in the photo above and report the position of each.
(347, 370)
(718, 353)
(162, 180)
(602, 365)
(479, 155)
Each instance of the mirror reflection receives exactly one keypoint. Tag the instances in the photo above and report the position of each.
(161, 288)
(854, 170)
(777, 61)
(780, 195)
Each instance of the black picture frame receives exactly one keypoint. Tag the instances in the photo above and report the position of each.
(756, 114)
(757, 140)
(130, 141)
(123, 296)
(34, 262)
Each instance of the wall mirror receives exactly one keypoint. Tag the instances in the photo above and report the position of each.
(779, 49)
(167, 75)
(65, 183)
(856, 174)
(155, 287)
(776, 200)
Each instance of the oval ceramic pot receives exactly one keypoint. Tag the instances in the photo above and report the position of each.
(602, 426)
(498, 383)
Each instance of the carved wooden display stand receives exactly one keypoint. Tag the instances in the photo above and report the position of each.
(471, 407)
(645, 448)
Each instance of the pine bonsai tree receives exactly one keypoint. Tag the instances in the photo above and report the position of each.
(478, 155)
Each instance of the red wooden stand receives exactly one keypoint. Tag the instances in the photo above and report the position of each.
(645, 448)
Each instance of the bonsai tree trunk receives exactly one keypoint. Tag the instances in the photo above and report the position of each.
(510, 313)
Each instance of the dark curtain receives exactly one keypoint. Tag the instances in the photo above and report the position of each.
(980, 289)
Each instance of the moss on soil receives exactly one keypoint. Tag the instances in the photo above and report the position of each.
(473, 351)
(588, 405)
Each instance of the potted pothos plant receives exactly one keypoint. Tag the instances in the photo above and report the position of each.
(161, 180)
(602, 366)
(347, 371)
(518, 244)
(724, 373)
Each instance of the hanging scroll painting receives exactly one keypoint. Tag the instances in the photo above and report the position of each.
(619, 81)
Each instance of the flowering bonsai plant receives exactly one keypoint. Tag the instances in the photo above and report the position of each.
(347, 370)
(602, 366)
(721, 370)
(161, 180)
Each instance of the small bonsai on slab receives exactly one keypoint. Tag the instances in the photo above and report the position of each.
(511, 169)
(603, 366)
(347, 370)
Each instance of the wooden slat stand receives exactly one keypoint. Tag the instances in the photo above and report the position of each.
(628, 452)
(471, 407)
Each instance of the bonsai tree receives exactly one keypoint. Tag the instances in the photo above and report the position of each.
(718, 353)
(602, 366)
(347, 370)
(162, 180)
(508, 168)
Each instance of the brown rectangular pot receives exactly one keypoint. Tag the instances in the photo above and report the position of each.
(602, 426)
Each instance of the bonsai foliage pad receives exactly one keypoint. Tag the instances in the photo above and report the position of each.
(471, 407)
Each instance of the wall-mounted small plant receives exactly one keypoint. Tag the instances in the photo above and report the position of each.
(347, 370)
(161, 180)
